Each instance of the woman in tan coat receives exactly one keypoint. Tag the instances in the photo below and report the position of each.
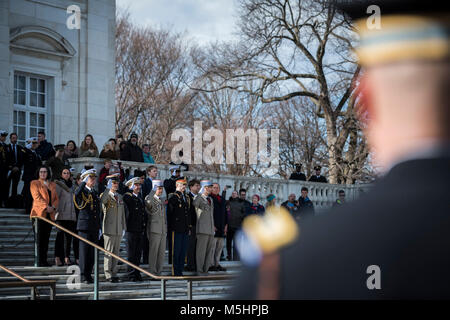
(45, 202)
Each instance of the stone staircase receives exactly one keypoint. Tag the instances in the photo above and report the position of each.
(17, 253)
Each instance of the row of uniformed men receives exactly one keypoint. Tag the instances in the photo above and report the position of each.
(114, 214)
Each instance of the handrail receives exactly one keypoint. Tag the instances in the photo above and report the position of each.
(191, 278)
(14, 274)
(29, 283)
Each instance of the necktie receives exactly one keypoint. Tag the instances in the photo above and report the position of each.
(209, 200)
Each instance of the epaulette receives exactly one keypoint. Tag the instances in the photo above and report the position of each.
(101, 195)
(128, 194)
(23, 150)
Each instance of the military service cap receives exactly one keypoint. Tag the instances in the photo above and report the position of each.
(132, 182)
(90, 173)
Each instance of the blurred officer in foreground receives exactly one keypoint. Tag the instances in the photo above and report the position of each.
(390, 243)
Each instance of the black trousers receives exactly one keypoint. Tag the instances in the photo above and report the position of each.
(232, 252)
(145, 249)
(134, 248)
(64, 240)
(180, 244)
(191, 252)
(27, 198)
(87, 258)
(13, 177)
(4, 191)
(44, 230)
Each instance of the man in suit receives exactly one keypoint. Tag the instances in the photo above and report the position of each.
(4, 164)
(391, 243)
(86, 200)
(305, 204)
(152, 173)
(15, 164)
(136, 219)
(204, 208)
(45, 149)
(156, 228)
(31, 162)
(298, 174)
(194, 188)
(113, 217)
(317, 177)
(179, 222)
(220, 226)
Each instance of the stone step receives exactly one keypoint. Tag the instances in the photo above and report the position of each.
(218, 292)
(15, 221)
(31, 270)
(62, 288)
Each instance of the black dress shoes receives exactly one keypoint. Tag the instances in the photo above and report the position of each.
(220, 268)
(113, 279)
(88, 280)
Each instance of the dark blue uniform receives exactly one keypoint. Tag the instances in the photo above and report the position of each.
(179, 222)
(136, 219)
(88, 226)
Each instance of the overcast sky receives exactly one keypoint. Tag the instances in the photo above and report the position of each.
(204, 20)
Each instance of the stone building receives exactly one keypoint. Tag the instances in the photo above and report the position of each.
(54, 76)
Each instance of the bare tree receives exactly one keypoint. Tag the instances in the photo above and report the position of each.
(294, 48)
(152, 99)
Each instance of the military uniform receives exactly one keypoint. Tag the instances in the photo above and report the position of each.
(204, 208)
(298, 176)
(318, 178)
(179, 222)
(170, 187)
(156, 232)
(114, 223)
(15, 161)
(4, 164)
(88, 226)
(191, 256)
(136, 220)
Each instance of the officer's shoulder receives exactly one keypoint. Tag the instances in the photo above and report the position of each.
(127, 195)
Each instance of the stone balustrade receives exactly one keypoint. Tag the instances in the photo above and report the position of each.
(323, 195)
